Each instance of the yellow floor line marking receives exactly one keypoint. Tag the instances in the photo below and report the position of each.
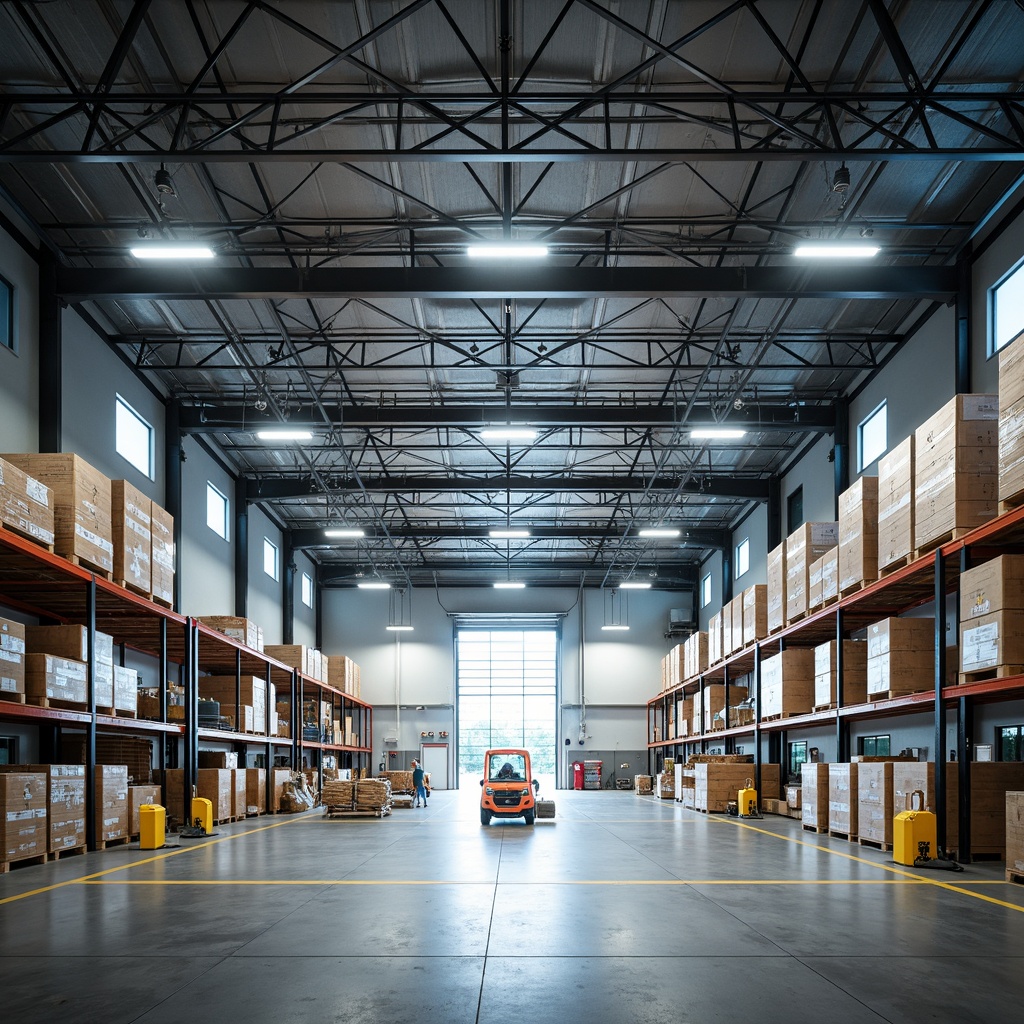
(533, 884)
(884, 867)
(138, 863)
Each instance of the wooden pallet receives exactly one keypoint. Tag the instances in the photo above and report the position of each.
(780, 717)
(163, 602)
(1012, 502)
(116, 713)
(856, 588)
(900, 563)
(24, 862)
(28, 536)
(106, 844)
(890, 695)
(135, 589)
(850, 837)
(944, 538)
(53, 702)
(996, 672)
(831, 706)
(1015, 876)
(818, 829)
(84, 563)
(71, 851)
(876, 843)
(331, 811)
(12, 698)
(829, 601)
(796, 618)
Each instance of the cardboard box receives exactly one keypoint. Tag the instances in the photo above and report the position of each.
(776, 588)
(12, 659)
(896, 534)
(72, 642)
(716, 648)
(830, 576)
(843, 799)
(243, 630)
(794, 796)
(993, 586)
(126, 689)
(875, 802)
(787, 683)
(296, 656)
(1011, 372)
(65, 802)
(81, 505)
(344, 674)
(716, 785)
(239, 793)
(755, 614)
(815, 599)
(161, 560)
(1015, 833)
(253, 692)
(111, 802)
(994, 641)
(803, 546)
(901, 657)
(695, 655)
(133, 539)
(137, 797)
(218, 759)
(858, 534)
(956, 473)
(26, 504)
(706, 706)
(51, 678)
(255, 790)
(23, 830)
(814, 795)
(855, 674)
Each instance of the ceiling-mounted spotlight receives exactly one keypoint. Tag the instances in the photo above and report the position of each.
(841, 179)
(162, 180)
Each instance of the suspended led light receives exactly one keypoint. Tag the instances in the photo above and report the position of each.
(717, 433)
(170, 251)
(285, 435)
(510, 585)
(373, 585)
(836, 251)
(658, 531)
(509, 534)
(506, 251)
(508, 434)
(399, 629)
(345, 534)
(615, 628)
(634, 585)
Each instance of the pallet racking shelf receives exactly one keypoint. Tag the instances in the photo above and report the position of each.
(39, 584)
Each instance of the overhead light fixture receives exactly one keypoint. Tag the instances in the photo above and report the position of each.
(841, 179)
(345, 533)
(509, 534)
(285, 435)
(658, 531)
(508, 433)
(615, 627)
(836, 250)
(634, 585)
(510, 585)
(373, 585)
(399, 629)
(616, 611)
(162, 181)
(506, 251)
(399, 611)
(717, 433)
(171, 251)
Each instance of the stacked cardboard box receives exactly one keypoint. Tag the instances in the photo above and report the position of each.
(707, 704)
(307, 660)
(138, 796)
(787, 683)
(716, 650)
(716, 785)
(665, 785)
(23, 831)
(803, 546)
(64, 801)
(12, 660)
(255, 790)
(794, 798)
(830, 576)
(901, 657)
(736, 622)
(343, 674)
(855, 674)
(161, 558)
(243, 630)
(643, 785)
(126, 689)
(279, 778)
(48, 677)
(72, 642)
(695, 655)
(81, 505)
(1011, 422)
(684, 716)
(842, 799)
(896, 534)
(131, 520)
(814, 796)
(253, 696)
(815, 599)
(672, 668)
(858, 534)
(1014, 836)
(239, 793)
(111, 802)
(134, 753)
(776, 588)
(26, 504)
(755, 614)
(956, 474)
(875, 802)
(992, 616)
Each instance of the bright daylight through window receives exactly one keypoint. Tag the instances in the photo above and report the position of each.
(133, 437)
(216, 511)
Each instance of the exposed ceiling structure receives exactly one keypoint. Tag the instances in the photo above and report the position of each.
(340, 156)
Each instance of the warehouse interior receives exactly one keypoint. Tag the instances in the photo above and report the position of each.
(508, 373)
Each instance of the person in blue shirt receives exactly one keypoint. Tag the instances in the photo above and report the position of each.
(417, 782)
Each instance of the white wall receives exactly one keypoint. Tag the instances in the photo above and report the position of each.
(304, 621)
(712, 564)
(19, 370)
(265, 595)
(754, 529)
(815, 473)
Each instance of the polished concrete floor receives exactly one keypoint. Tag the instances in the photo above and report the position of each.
(622, 909)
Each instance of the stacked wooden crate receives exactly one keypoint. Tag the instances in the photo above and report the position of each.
(901, 657)
(956, 473)
(992, 619)
(855, 674)
(805, 544)
(858, 535)
(245, 631)
(787, 683)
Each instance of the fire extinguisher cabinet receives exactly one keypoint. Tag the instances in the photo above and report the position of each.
(577, 775)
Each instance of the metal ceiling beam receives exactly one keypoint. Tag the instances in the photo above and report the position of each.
(315, 538)
(720, 486)
(676, 576)
(536, 282)
(752, 417)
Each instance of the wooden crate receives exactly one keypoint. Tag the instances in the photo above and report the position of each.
(706, 706)
(855, 673)
(858, 534)
(239, 793)
(695, 655)
(830, 576)
(715, 638)
(992, 644)
(814, 796)
(842, 799)
(255, 790)
(111, 802)
(815, 599)
(138, 796)
(787, 683)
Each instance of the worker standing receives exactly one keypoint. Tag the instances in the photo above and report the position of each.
(417, 782)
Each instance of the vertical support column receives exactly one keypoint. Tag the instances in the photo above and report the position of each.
(774, 512)
(173, 457)
(162, 698)
(239, 725)
(288, 591)
(51, 358)
(841, 449)
(964, 755)
(963, 326)
(190, 758)
(241, 547)
(757, 717)
(90, 732)
(842, 725)
(318, 605)
(726, 740)
(727, 571)
(940, 710)
(297, 723)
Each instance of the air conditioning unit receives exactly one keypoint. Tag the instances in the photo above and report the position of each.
(390, 739)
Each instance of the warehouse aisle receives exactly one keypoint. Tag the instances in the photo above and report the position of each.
(621, 909)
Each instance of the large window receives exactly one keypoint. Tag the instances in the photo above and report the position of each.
(133, 437)
(307, 590)
(271, 559)
(872, 438)
(1006, 309)
(7, 323)
(795, 509)
(506, 684)
(742, 557)
(1010, 743)
(216, 511)
(797, 757)
(705, 591)
(873, 746)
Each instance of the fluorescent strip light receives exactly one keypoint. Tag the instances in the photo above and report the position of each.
(510, 586)
(345, 534)
(399, 629)
(609, 629)
(172, 252)
(634, 585)
(509, 434)
(285, 435)
(658, 531)
(837, 251)
(507, 251)
(373, 585)
(720, 433)
(509, 534)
